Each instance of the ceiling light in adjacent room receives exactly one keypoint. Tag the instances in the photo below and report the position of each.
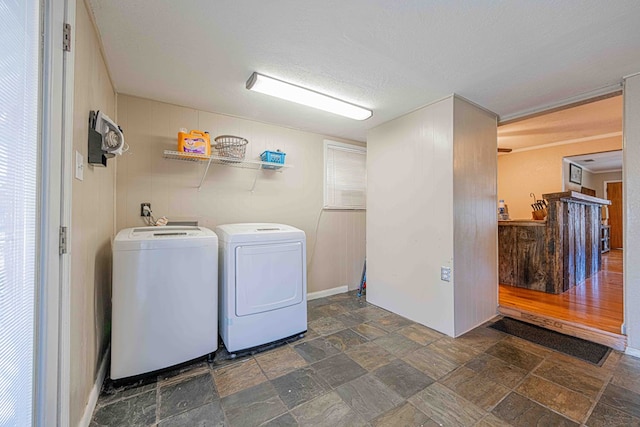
(278, 88)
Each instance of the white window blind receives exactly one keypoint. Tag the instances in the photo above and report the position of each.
(345, 176)
(19, 74)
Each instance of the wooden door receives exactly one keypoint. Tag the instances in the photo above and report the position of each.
(614, 193)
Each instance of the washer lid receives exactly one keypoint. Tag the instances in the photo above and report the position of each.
(258, 232)
(163, 237)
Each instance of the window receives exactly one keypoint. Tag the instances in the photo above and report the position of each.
(345, 176)
(19, 91)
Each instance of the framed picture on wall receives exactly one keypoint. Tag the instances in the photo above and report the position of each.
(575, 174)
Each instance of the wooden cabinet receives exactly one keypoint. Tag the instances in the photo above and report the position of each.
(605, 243)
(556, 254)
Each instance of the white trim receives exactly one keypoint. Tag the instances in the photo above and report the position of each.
(47, 392)
(95, 391)
(566, 142)
(607, 171)
(605, 185)
(605, 90)
(68, 165)
(606, 196)
(632, 352)
(327, 292)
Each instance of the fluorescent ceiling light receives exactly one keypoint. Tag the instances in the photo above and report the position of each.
(310, 98)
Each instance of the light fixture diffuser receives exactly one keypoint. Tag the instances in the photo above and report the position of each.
(290, 92)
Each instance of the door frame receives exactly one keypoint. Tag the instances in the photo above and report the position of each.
(605, 185)
(606, 196)
(606, 92)
(52, 362)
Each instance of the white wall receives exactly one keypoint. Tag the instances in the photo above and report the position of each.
(474, 206)
(410, 215)
(412, 229)
(335, 253)
(631, 216)
(92, 221)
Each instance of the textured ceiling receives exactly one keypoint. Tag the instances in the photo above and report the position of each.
(392, 57)
(595, 120)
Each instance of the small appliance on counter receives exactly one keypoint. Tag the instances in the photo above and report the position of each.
(263, 284)
(164, 296)
(503, 211)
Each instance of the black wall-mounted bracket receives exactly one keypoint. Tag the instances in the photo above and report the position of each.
(97, 157)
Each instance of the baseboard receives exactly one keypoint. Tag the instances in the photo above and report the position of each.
(95, 391)
(632, 352)
(327, 292)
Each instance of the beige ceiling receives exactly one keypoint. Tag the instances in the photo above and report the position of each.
(607, 161)
(586, 122)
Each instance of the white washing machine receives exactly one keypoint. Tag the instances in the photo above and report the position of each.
(164, 298)
(263, 284)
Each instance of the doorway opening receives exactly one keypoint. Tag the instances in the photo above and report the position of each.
(575, 149)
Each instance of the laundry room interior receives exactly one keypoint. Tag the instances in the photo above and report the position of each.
(386, 250)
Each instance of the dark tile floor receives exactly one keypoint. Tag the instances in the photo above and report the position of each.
(360, 365)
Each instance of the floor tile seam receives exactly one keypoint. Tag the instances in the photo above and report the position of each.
(230, 362)
(394, 406)
(158, 402)
(529, 373)
(459, 395)
(121, 398)
(366, 338)
(453, 391)
(181, 377)
(598, 397)
(277, 416)
(215, 387)
(262, 370)
(556, 411)
(550, 409)
(547, 351)
(331, 390)
(248, 407)
(605, 381)
(158, 419)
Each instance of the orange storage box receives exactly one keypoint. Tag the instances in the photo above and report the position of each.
(194, 142)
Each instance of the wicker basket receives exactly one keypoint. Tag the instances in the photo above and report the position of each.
(231, 147)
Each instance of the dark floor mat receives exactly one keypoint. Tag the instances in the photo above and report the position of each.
(576, 347)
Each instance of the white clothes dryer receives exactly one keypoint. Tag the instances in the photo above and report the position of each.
(164, 296)
(263, 284)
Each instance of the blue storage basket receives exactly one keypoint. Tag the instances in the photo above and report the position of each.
(272, 157)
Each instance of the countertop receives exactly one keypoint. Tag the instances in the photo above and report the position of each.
(574, 196)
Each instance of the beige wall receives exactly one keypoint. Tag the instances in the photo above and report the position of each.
(434, 208)
(588, 179)
(92, 219)
(335, 252)
(631, 216)
(600, 178)
(539, 171)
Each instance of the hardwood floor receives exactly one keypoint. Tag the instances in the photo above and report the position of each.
(596, 304)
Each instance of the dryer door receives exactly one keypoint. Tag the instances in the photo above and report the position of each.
(268, 277)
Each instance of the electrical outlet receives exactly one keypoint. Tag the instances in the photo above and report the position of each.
(142, 210)
(445, 274)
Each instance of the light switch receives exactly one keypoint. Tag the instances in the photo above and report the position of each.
(79, 166)
(445, 274)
